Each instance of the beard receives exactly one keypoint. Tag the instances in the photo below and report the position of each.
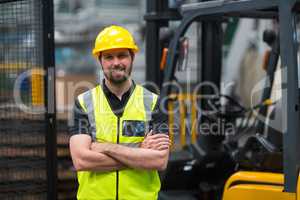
(111, 76)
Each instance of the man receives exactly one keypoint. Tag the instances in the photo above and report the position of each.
(117, 143)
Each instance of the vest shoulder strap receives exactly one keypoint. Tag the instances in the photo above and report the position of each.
(150, 100)
(80, 99)
(149, 97)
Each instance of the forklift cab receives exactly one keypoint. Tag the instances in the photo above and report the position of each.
(265, 183)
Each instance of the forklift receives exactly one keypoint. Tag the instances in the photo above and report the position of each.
(266, 164)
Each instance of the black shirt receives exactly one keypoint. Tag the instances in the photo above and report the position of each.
(80, 123)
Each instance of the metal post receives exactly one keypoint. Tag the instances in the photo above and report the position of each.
(290, 94)
(211, 55)
(49, 67)
(199, 50)
(211, 52)
(271, 68)
(152, 45)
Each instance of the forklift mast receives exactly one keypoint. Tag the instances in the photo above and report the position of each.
(158, 16)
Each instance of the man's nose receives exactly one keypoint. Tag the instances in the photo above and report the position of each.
(116, 61)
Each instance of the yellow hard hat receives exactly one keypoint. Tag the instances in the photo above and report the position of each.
(114, 37)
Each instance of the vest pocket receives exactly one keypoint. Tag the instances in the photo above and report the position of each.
(133, 128)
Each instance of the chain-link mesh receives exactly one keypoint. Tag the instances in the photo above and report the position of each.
(22, 121)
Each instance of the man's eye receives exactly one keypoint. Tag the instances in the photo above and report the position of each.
(108, 57)
(123, 56)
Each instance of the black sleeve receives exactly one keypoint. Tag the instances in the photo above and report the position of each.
(79, 123)
(159, 120)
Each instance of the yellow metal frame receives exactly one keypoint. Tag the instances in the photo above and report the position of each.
(257, 186)
(182, 98)
(37, 87)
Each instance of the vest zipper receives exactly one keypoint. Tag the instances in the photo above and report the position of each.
(117, 175)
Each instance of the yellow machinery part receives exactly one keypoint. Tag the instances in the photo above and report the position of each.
(182, 112)
(256, 186)
(298, 187)
(171, 123)
(194, 118)
(183, 99)
(37, 87)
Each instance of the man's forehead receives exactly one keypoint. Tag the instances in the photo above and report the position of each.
(115, 51)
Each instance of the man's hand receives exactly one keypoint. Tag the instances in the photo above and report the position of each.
(156, 141)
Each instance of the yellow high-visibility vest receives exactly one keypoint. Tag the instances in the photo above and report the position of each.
(129, 130)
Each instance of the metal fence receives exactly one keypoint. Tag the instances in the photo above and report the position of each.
(27, 117)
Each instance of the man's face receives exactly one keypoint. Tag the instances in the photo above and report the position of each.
(116, 65)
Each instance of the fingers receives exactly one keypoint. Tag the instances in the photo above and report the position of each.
(96, 147)
(162, 145)
(159, 140)
(159, 144)
(93, 146)
(159, 135)
(149, 133)
(152, 140)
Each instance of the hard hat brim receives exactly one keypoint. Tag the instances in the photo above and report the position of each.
(96, 52)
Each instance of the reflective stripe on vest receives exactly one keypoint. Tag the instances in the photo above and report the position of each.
(132, 184)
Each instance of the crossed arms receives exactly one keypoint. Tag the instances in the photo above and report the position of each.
(152, 154)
